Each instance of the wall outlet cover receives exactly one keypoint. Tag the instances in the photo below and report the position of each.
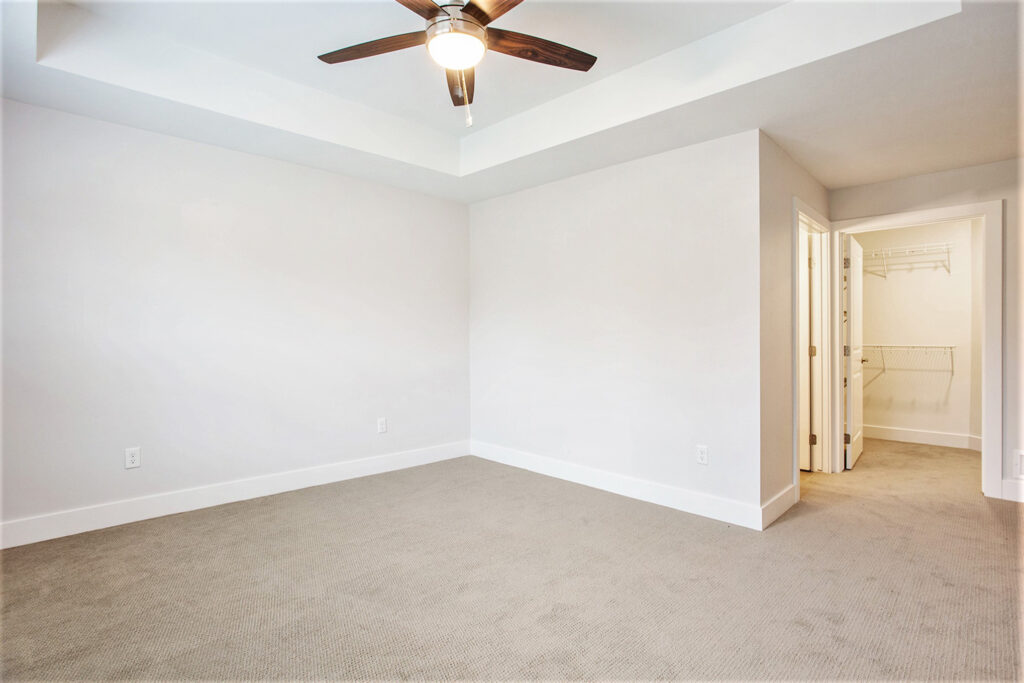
(132, 457)
(702, 455)
(382, 425)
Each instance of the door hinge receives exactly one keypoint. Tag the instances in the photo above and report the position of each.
(844, 382)
(810, 262)
(846, 262)
(846, 350)
(813, 439)
(846, 438)
(814, 350)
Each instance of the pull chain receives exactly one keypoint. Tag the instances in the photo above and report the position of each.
(465, 98)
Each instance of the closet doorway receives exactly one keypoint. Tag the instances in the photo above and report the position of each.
(913, 336)
(917, 324)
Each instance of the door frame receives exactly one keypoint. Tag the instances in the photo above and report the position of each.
(823, 227)
(991, 216)
(852, 362)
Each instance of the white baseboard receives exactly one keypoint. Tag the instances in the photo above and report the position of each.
(721, 509)
(1013, 489)
(923, 436)
(66, 522)
(780, 502)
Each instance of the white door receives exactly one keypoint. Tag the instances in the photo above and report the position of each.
(855, 356)
(803, 347)
(819, 256)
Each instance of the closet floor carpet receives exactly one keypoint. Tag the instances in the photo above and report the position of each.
(467, 569)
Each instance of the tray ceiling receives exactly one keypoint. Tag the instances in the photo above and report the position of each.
(835, 83)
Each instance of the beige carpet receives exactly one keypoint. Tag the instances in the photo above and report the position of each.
(472, 570)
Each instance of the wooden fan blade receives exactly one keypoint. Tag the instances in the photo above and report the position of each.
(486, 11)
(538, 50)
(424, 8)
(455, 85)
(375, 47)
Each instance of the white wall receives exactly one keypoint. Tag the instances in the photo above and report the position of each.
(780, 180)
(232, 315)
(917, 398)
(988, 182)
(977, 323)
(615, 326)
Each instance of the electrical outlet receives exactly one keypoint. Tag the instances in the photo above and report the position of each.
(702, 455)
(1020, 464)
(382, 425)
(132, 457)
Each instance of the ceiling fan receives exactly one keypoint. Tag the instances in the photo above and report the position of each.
(457, 38)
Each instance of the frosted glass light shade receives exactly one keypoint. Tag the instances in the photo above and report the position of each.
(456, 51)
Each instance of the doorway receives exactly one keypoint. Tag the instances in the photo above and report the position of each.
(813, 428)
(918, 324)
(918, 362)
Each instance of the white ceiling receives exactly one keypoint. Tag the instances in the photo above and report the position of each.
(283, 38)
(857, 92)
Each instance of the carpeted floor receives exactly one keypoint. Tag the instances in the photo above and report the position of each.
(472, 570)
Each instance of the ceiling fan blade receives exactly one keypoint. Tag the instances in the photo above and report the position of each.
(375, 47)
(486, 11)
(425, 8)
(538, 50)
(455, 85)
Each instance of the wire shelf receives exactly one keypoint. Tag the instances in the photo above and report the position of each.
(919, 357)
(881, 262)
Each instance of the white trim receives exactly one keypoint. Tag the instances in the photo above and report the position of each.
(804, 423)
(686, 500)
(838, 447)
(922, 436)
(991, 214)
(782, 501)
(806, 209)
(826, 437)
(1013, 489)
(821, 377)
(66, 522)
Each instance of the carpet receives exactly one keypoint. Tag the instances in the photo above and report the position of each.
(467, 569)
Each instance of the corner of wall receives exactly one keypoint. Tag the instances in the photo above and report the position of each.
(780, 180)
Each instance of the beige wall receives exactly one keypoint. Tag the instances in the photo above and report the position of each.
(781, 179)
(988, 182)
(977, 318)
(614, 325)
(235, 316)
(913, 301)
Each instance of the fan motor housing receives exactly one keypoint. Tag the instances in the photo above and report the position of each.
(455, 22)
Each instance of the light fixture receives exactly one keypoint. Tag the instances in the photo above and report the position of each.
(456, 50)
(456, 42)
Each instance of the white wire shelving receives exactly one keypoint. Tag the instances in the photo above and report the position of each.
(881, 261)
(913, 357)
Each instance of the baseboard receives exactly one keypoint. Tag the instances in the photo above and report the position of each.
(66, 522)
(779, 503)
(1013, 489)
(705, 505)
(923, 436)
